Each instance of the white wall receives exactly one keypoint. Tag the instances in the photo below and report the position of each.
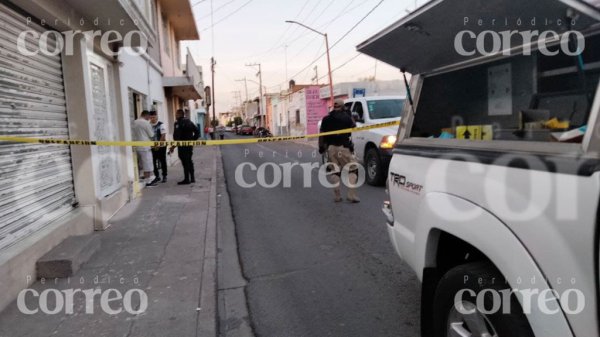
(297, 102)
(138, 74)
(280, 116)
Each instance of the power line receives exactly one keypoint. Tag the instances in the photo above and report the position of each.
(357, 24)
(342, 38)
(316, 37)
(305, 19)
(276, 45)
(342, 65)
(199, 2)
(218, 9)
(229, 15)
(322, 12)
(336, 68)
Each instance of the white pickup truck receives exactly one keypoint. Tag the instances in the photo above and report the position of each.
(494, 184)
(374, 147)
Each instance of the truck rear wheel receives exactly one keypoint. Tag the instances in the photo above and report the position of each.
(459, 315)
(374, 168)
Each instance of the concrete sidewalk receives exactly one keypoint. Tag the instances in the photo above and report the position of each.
(162, 245)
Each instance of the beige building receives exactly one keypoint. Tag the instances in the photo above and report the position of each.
(82, 91)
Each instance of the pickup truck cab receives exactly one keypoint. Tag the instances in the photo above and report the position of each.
(374, 147)
(494, 184)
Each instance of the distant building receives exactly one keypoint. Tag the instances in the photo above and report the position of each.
(370, 88)
(305, 110)
(51, 192)
(225, 118)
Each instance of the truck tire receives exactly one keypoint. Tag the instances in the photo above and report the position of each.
(449, 321)
(374, 168)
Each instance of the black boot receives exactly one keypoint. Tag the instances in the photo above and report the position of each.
(193, 178)
(186, 180)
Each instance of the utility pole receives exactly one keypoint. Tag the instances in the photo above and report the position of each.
(375, 75)
(214, 110)
(245, 80)
(316, 78)
(260, 102)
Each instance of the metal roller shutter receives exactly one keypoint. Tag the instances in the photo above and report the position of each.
(36, 181)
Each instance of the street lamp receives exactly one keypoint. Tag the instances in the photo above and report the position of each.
(332, 98)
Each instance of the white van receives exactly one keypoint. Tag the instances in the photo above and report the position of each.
(374, 147)
(494, 185)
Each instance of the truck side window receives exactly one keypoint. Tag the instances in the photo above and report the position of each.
(522, 98)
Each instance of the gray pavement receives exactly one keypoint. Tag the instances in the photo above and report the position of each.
(163, 244)
(314, 267)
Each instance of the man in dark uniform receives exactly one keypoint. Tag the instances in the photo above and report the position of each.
(340, 149)
(185, 130)
(159, 154)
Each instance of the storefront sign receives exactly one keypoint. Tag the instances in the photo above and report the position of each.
(316, 109)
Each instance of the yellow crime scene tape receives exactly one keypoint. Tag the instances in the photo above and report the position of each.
(51, 141)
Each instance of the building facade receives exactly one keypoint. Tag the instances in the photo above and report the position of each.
(298, 110)
(86, 88)
(362, 89)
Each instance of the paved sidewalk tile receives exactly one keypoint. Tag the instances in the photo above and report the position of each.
(163, 244)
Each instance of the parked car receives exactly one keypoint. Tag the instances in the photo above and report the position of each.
(494, 184)
(374, 147)
(229, 129)
(246, 130)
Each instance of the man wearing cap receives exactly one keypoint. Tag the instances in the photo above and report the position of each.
(340, 150)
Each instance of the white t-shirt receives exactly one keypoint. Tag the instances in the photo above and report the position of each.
(142, 131)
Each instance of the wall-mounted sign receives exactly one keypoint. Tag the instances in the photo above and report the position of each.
(359, 93)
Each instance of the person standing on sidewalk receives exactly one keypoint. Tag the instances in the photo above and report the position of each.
(340, 150)
(185, 130)
(159, 154)
(142, 131)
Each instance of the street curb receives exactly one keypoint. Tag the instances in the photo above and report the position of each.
(233, 310)
(208, 316)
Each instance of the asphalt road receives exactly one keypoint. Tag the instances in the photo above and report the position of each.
(314, 267)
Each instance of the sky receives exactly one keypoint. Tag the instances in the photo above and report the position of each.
(254, 31)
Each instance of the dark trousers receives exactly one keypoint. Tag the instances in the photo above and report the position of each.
(159, 158)
(185, 155)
